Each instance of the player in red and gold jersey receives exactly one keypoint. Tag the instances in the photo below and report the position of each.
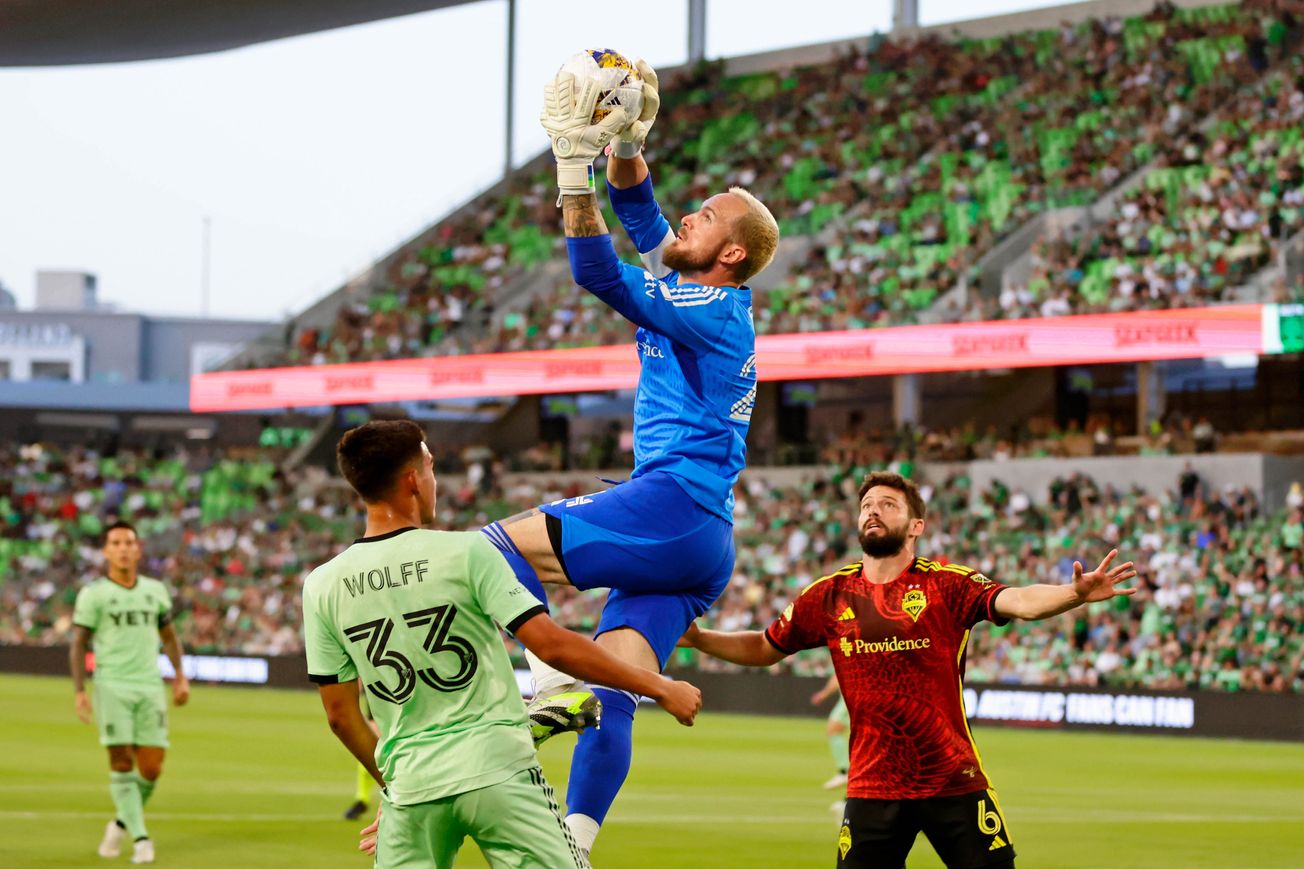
(896, 626)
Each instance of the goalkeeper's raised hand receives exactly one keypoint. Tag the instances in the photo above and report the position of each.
(629, 143)
(576, 141)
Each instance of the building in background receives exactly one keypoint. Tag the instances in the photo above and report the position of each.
(71, 337)
(65, 290)
(75, 370)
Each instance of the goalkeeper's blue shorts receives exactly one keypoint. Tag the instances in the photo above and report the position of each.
(664, 557)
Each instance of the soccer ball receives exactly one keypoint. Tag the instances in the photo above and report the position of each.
(619, 83)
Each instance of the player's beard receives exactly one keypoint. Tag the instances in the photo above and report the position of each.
(890, 542)
(684, 260)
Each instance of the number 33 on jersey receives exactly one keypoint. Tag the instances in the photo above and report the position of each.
(415, 616)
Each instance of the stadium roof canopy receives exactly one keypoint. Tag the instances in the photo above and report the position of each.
(60, 32)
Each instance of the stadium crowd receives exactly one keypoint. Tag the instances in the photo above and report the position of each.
(1213, 213)
(1019, 147)
(226, 532)
(1221, 585)
(968, 139)
(901, 449)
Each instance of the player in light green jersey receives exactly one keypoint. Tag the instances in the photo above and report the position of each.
(126, 616)
(839, 733)
(416, 616)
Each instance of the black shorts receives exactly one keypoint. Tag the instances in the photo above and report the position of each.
(967, 831)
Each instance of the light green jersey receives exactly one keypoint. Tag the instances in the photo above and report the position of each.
(125, 622)
(413, 614)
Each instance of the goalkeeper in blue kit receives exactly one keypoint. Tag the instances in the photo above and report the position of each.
(662, 542)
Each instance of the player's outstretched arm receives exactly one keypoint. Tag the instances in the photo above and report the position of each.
(585, 659)
(340, 700)
(748, 648)
(1033, 602)
(81, 640)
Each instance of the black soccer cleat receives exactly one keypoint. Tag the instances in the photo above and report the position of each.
(355, 811)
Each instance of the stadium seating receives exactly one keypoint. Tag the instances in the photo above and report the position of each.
(906, 164)
(1021, 146)
(1203, 222)
(446, 282)
(565, 316)
(1220, 603)
(225, 530)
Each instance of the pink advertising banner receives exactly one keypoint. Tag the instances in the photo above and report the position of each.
(1189, 333)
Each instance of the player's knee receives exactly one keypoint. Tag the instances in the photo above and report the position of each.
(836, 728)
(149, 762)
(120, 759)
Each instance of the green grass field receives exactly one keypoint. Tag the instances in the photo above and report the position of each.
(254, 778)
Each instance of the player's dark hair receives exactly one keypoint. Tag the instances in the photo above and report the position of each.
(372, 456)
(120, 524)
(915, 501)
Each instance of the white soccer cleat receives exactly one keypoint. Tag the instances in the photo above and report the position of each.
(839, 780)
(111, 844)
(143, 852)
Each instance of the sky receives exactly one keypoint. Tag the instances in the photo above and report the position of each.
(314, 156)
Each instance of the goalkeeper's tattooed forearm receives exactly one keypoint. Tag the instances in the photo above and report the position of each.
(582, 217)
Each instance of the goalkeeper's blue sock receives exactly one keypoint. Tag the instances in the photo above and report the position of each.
(600, 765)
(524, 572)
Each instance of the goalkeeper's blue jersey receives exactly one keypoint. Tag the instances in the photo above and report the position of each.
(697, 351)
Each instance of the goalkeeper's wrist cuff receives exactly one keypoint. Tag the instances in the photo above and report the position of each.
(627, 150)
(575, 177)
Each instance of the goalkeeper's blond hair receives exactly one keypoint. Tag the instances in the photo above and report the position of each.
(758, 232)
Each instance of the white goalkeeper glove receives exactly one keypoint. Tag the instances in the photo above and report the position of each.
(630, 141)
(577, 141)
